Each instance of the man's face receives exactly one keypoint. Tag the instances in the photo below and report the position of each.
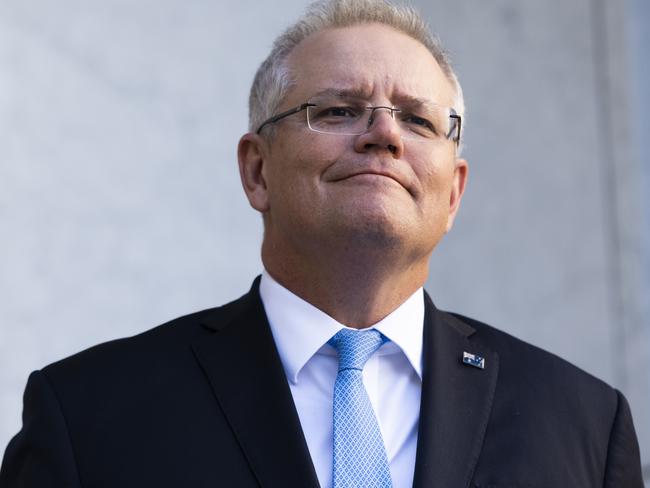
(371, 190)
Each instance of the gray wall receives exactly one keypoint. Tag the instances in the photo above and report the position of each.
(552, 243)
(120, 204)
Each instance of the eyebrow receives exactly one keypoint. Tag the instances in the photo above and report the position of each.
(410, 101)
(403, 100)
(344, 93)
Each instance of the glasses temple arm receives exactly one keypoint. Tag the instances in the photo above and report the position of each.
(459, 121)
(282, 115)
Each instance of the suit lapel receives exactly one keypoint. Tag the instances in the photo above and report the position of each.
(242, 364)
(456, 402)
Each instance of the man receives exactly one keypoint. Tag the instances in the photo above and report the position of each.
(353, 161)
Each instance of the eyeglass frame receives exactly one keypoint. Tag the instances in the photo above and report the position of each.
(304, 106)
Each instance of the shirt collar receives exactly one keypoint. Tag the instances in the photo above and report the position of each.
(300, 329)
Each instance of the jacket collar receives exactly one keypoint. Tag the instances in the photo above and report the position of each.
(243, 367)
(456, 401)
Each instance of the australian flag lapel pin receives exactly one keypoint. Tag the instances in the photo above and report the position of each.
(473, 360)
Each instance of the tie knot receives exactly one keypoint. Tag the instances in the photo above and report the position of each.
(356, 346)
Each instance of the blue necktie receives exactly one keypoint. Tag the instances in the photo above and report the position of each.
(359, 454)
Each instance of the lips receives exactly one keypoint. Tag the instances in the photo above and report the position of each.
(369, 171)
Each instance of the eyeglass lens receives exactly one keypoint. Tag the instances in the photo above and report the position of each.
(334, 115)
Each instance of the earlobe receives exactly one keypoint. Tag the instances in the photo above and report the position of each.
(457, 189)
(251, 155)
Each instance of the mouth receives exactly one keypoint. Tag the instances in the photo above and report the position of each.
(370, 175)
(371, 172)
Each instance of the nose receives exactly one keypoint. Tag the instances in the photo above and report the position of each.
(383, 134)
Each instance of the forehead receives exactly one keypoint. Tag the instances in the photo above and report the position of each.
(375, 59)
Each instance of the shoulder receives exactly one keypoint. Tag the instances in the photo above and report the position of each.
(164, 349)
(582, 421)
(534, 375)
(527, 360)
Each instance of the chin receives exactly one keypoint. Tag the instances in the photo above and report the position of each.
(374, 229)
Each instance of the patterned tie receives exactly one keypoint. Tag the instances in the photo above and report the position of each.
(359, 454)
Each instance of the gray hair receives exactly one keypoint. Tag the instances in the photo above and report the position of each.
(273, 80)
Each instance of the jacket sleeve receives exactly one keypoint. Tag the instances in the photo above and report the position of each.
(623, 469)
(41, 454)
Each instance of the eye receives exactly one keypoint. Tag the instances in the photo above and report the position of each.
(418, 124)
(338, 111)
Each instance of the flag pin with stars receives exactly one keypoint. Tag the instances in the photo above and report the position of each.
(473, 360)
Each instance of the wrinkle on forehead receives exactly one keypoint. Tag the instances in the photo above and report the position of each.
(365, 93)
(368, 60)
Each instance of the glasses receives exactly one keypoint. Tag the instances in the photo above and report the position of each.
(349, 117)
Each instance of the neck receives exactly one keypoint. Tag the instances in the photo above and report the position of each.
(356, 289)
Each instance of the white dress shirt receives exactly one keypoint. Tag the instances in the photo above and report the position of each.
(392, 376)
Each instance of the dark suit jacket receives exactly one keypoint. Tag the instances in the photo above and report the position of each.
(203, 401)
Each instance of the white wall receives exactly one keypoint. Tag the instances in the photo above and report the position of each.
(120, 202)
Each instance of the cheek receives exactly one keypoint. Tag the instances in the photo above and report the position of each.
(436, 168)
(434, 176)
(437, 183)
(293, 176)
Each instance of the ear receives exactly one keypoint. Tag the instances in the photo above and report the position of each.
(458, 188)
(252, 156)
